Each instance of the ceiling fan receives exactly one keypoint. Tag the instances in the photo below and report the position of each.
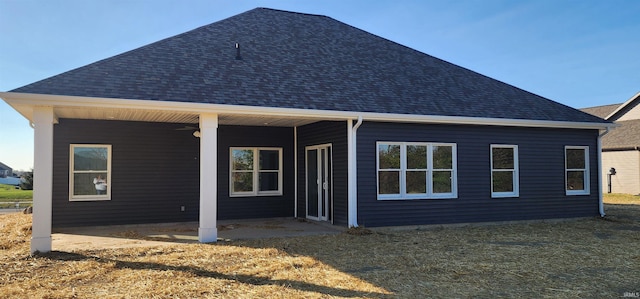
(196, 130)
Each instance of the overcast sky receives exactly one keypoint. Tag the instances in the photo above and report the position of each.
(579, 53)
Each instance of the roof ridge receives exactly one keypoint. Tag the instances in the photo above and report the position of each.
(291, 12)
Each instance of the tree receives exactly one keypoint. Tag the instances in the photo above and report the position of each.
(26, 180)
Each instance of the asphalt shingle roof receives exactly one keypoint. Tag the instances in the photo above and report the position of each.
(4, 166)
(601, 111)
(623, 137)
(295, 60)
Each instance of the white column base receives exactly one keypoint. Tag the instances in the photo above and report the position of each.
(42, 244)
(207, 235)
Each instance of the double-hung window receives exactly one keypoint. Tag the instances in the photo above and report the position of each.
(255, 171)
(410, 170)
(504, 171)
(576, 170)
(90, 172)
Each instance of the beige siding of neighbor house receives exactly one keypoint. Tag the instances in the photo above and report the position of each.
(631, 114)
(627, 165)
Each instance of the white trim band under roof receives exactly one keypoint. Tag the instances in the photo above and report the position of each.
(14, 98)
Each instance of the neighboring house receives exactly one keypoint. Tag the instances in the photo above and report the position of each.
(621, 146)
(6, 176)
(5, 171)
(299, 115)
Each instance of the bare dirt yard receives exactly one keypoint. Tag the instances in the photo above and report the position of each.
(580, 258)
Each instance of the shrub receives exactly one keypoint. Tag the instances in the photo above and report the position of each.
(26, 182)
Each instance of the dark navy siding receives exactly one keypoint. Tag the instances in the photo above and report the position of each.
(323, 133)
(541, 162)
(155, 171)
(255, 206)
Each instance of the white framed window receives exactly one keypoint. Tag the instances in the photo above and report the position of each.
(504, 171)
(255, 171)
(89, 172)
(413, 170)
(576, 170)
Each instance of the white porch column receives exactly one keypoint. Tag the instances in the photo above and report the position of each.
(295, 171)
(352, 166)
(43, 120)
(208, 232)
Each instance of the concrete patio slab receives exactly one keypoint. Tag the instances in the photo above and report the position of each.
(126, 236)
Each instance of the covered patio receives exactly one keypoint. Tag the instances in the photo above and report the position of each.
(204, 120)
(128, 236)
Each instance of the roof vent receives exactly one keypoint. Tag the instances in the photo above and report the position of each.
(238, 57)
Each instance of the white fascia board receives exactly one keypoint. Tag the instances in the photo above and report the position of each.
(15, 99)
(483, 121)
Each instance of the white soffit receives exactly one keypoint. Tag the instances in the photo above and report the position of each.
(176, 117)
(125, 114)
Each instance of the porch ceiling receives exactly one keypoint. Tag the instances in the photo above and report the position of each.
(178, 116)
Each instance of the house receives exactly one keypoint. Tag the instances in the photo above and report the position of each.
(5, 171)
(621, 146)
(281, 114)
(6, 176)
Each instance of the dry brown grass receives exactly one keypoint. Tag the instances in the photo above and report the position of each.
(579, 258)
(623, 199)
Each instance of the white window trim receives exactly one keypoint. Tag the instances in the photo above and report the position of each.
(586, 178)
(515, 171)
(429, 183)
(401, 179)
(256, 172)
(92, 197)
(404, 168)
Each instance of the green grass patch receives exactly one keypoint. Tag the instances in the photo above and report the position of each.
(10, 193)
(619, 198)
